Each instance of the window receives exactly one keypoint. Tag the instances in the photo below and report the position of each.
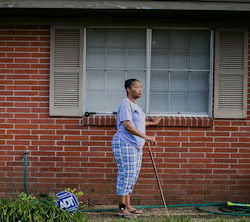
(89, 67)
(176, 82)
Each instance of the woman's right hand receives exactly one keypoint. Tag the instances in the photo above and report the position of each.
(151, 139)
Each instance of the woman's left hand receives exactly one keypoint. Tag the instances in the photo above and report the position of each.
(157, 120)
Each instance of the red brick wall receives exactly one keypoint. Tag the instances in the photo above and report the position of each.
(198, 160)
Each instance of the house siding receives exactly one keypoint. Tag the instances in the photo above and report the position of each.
(198, 159)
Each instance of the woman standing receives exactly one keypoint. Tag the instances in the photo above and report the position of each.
(127, 145)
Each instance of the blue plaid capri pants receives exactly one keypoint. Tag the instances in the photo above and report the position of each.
(128, 159)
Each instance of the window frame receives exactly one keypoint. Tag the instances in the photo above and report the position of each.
(148, 32)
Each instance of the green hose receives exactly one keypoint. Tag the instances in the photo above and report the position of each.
(227, 210)
(25, 171)
(221, 205)
(159, 206)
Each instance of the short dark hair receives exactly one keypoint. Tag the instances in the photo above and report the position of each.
(128, 83)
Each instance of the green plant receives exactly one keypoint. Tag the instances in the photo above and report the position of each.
(32, 209)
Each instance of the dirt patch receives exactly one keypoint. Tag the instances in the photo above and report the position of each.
(160, 214)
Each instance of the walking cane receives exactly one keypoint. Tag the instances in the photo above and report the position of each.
(156, 174)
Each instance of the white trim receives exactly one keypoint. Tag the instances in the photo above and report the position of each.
(179, 114)
(148, 66)
(148, 27)
(84, 51)
(245, 81)
(210, 103)
(51, 84)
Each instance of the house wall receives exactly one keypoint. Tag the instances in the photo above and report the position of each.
(198, 159)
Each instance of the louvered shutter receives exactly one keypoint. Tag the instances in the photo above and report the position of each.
(66, 77)
(230, 95)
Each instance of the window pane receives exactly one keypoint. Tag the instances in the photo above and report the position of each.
(200, 59)
(159, 102)
(200, 39)
(115, 38)
(160, 39)
(179, 92)
(180, 39)
(95, 58)
(199, 81)
(115, 80)
(159, 81)
(178, 102)
(111, 53)
(160, 59)
(95, 101)
(160, 49)
(95, 38)
(136, 39)
(159, 91)
(136, 59)
(114, 98)
(199, 91)
(95, 80)
(116, 58)
(179, 59)
(198, 102)
(179, 81)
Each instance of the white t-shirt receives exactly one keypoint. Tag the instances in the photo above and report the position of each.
(131, 111)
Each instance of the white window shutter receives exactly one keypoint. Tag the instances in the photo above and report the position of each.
(230, 86)
(66, 71)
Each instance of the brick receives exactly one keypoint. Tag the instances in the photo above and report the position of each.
(6, 60)
(244, 128)
(240, 166)
(45, 126)
(26, 126)
(50, 137)
(226, 139)
(226, 128)
(192, 155)
(225, 150)
(26, 137)
(205, 139)
(194, 134)
(217, 155)
(40, 33)
(240, 145)
(222, 123)
(244, 140)
(6, 38)
(26, 61)
(26, 38)
(68, 132)
(69, 143)
(224, 171)
(241, 134)
(200, 171)
(18, 55)
(222, 160)
(193, 144)
(218, 144)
